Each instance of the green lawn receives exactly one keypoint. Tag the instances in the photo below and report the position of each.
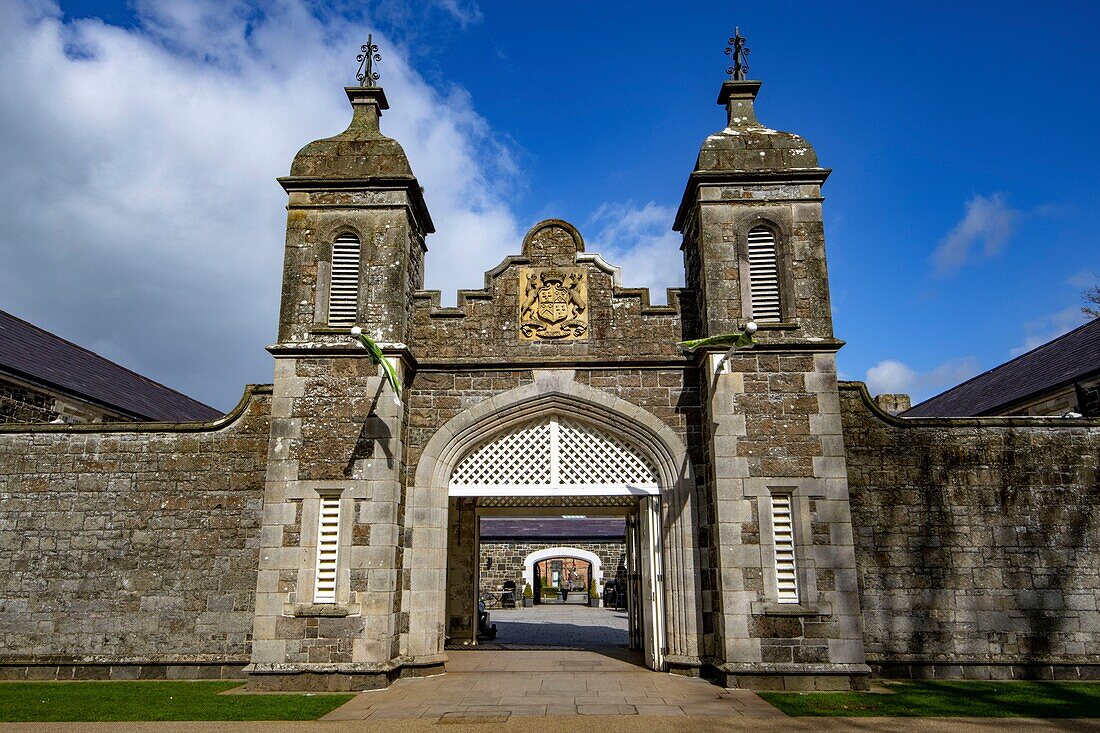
(113, 701)
(950, 699)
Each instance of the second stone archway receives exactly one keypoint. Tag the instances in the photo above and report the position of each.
(577, 553)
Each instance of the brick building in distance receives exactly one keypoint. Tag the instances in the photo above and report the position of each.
(783, 531)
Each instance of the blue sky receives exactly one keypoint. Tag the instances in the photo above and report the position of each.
(958, 215)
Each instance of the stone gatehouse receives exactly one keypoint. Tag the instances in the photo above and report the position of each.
(780, 529)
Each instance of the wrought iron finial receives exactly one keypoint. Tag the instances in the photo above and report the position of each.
(368, 54)
(737, 49)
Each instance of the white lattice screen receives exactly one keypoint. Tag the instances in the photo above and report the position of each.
(554, 455)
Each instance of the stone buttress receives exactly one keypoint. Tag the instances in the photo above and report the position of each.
(752, 225)
(335, 445)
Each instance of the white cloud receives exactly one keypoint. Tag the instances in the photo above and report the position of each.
(982, 233)
(1046, 328)
(892, 377)
(465, 13)
(142, 214)
(1083, 279)
(640, 240)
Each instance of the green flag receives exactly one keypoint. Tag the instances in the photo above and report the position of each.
(737, 340)
(377, 357)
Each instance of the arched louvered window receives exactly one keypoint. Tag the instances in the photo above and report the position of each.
(763, 275)
(343, 294)
(554, 455)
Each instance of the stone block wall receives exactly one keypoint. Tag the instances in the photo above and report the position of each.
(623, 324)
(131, 551)
(21, 403)
(978, 542)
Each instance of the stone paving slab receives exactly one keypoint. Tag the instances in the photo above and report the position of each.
(559, 626)
(488, 683)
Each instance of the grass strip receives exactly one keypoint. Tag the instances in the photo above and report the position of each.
(962, 699)
(133, 701)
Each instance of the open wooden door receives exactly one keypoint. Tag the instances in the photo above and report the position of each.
(633, 582)
(652, 581)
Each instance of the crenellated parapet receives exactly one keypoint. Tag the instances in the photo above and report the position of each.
(553, 301)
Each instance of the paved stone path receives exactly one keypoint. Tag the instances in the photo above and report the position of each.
(496, 685)
(559, 626)
(587, 724)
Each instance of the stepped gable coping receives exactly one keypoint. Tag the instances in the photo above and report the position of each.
(433, 297)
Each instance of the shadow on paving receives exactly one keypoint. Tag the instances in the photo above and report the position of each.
(556, 627)
(510, 684)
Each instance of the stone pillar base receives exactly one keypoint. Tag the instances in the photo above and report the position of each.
(123, 671)
(814, 678)
(971, 670)
(684, 666)
(331, 678)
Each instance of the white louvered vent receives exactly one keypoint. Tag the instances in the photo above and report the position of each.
(786, 572)
(328, 548)
(763, 275)
(554, 453)
(343, 297)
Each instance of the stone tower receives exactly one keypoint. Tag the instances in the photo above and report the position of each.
(356, 219)
(779, 559)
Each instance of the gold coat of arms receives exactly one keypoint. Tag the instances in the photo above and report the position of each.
(553, 303)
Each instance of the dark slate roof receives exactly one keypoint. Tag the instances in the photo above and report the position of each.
(28, 352)
(1055, 364)
(553, 528)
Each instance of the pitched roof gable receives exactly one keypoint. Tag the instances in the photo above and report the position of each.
(36, 355)
(1063, 361)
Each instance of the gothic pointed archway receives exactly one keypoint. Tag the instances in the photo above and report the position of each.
(667, 495)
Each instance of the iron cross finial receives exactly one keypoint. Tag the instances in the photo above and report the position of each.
(368, 54)
(739, 52)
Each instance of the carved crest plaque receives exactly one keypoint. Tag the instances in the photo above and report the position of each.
(553, 303)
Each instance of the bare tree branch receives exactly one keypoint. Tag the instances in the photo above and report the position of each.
(1092, 296)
